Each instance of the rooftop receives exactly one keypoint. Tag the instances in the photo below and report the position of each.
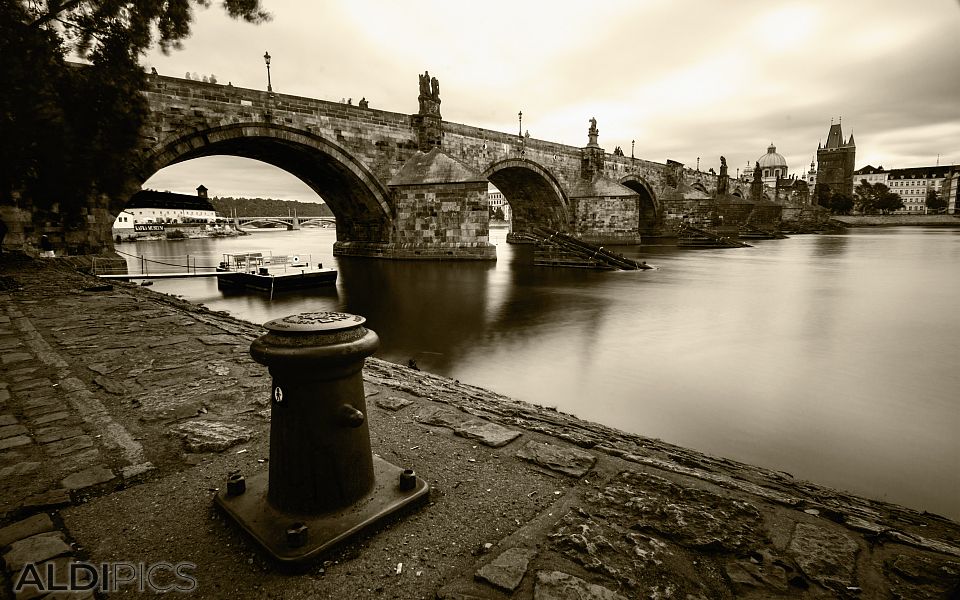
(169, 200)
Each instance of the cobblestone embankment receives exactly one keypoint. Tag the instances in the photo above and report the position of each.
(122, 411)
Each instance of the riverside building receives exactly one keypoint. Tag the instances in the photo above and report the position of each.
(149, 206)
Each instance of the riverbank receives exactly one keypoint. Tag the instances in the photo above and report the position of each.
(124, 410)
(190, 233)
(898, 220)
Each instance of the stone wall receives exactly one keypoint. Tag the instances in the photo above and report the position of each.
(607, 220)
(26, 223)
(442, 220)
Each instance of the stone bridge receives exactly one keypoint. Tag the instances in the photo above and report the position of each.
(290, 222)
(413, 185)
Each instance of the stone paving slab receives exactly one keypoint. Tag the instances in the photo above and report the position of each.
(20, 469)
(53, 417)
(49, 499)
(14, 357)
(393, 403)
(88, 477)
(15, 442)
(507, 569)
(12, 430)
(31, 384)
(556, 585)
(35, 549)
(566, 460)
(25, 528)
(203, 435)
(46, 435)
(68, 446)
(487, 433)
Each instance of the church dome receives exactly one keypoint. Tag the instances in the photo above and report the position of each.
(773, 159)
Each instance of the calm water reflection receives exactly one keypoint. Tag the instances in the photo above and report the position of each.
(832, 357)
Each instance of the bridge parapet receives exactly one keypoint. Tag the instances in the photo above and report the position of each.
(382, 140)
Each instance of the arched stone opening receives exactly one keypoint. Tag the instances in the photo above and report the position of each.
(536, 198)
(648, 206)
(355, 196)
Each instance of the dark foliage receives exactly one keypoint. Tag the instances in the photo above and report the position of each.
(876, 197)
(934, 202)
(67, 130)
(267, 207)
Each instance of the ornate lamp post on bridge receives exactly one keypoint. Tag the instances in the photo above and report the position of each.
(266, 59)
(520, 117)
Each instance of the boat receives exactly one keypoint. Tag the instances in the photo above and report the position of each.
(263, 271)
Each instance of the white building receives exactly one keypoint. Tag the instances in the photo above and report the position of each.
(912, 185)
(951, 191)
(812, 176)
(870, 174)
(496, 199)
(124, 223)
(149, 206)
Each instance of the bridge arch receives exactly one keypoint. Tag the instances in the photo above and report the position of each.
(535, 196)
(354, 194)
(649, 207)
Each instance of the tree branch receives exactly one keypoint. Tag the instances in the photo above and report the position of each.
(54, 14)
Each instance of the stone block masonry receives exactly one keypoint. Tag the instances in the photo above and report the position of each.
(442, 219)
(607, 220)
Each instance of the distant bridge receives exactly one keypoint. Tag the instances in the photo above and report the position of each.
(292, 222)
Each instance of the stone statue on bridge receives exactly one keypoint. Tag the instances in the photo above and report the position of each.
(756, 186)
(723, 179)
(429, 95)
(425, 84)
(592, 133)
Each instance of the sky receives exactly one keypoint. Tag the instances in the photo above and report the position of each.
(681, 79)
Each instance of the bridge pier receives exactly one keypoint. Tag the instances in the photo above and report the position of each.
(441, 213)
(603, 211)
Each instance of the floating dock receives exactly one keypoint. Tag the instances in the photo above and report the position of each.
(262, 271)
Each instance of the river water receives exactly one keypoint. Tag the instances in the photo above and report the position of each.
(832, 357)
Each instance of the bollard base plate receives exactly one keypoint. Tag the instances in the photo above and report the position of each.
(268, 525)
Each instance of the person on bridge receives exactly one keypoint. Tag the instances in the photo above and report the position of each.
(46, 248)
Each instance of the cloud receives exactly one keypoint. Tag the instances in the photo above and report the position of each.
(684, 80)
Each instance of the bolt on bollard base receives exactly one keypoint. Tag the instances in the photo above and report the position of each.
(324, 484)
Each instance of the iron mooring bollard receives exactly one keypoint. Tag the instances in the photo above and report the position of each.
(323, 483)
